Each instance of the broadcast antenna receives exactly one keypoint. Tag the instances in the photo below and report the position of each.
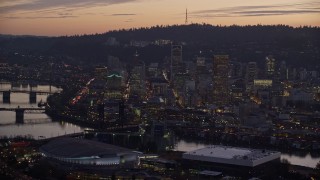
(186, 22)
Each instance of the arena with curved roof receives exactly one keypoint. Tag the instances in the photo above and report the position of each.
(87, 152)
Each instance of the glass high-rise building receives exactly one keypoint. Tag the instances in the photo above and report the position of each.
(176, 60)
(251, 75)
(270, 66)
(138, 77)
(220, 79)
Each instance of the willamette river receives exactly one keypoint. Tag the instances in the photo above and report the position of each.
(36, 125)
(42, 126)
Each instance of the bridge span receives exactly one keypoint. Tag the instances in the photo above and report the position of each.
(20, 112)
(32, 94)
(28, 91)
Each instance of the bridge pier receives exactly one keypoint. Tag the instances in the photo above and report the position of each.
(32, 85)
(33, 97)
(19, 116)
(25, 85)
(6, 96)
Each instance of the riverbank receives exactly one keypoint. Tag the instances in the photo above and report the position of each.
(60, 117)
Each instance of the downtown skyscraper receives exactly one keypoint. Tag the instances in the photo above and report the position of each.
(220, 79)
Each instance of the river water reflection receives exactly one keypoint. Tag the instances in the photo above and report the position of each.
(35, 125)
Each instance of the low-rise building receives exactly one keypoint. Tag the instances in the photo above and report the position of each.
(232, 160)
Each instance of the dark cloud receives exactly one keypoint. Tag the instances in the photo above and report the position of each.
(266, 10)
(65, 14)
(230, 9)
(90, 13)
(40, 17)
(212, 15)
(123, 14)
(128, 20)
(34, 5)
(277, 12)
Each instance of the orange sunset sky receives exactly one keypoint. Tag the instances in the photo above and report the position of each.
(69, 17)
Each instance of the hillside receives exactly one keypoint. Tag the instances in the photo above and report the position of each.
(242, 43)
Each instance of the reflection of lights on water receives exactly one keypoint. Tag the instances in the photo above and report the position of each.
(307, 160)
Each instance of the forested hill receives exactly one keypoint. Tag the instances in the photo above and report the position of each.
(204, 33)
(243, 43)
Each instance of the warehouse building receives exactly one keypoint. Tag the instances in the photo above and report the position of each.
(232, 160)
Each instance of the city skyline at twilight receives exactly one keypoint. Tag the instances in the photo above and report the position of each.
(69, 17)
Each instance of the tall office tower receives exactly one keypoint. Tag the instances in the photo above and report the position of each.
(114, 81)
(220, 79)
(101, 72)
(114, 86)
(235, 69)
(283, 71)
(121, 112)
(270, 66)
(251, 75)
(203, 80)
(201, 65)
(273, 71)
(138, 75)
(176, 60)
(100, 109)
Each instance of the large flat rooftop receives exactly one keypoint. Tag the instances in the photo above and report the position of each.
(232, 155)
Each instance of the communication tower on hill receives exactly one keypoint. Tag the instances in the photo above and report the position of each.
(186, 21)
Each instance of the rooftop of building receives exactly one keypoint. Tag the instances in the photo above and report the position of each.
(75, 148)
(232, 155)
(227, 152)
